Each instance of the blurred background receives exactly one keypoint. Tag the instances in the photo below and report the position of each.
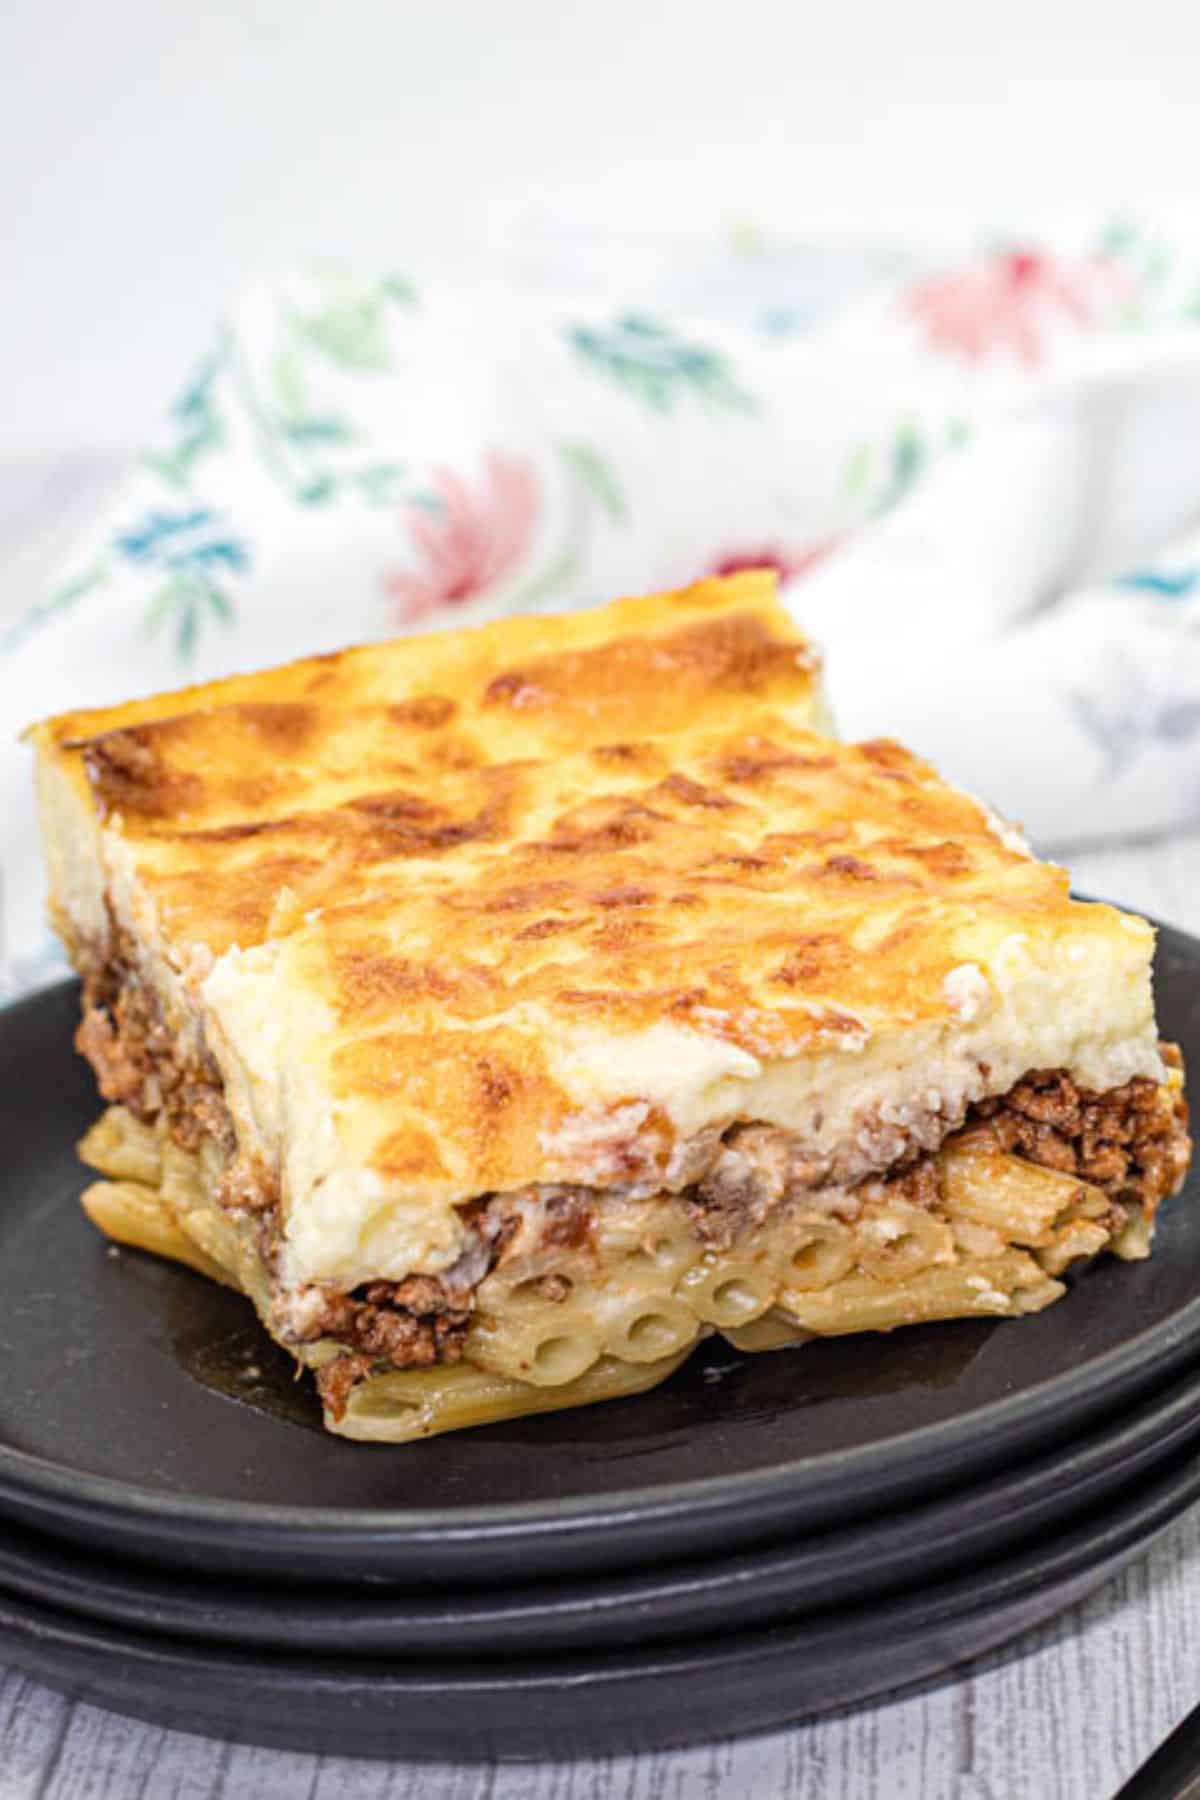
(152, 152)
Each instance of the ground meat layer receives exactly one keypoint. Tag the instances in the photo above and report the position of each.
(137, 1059)
(1125, 1141)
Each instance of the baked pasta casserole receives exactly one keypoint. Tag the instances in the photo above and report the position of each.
(506, 1011)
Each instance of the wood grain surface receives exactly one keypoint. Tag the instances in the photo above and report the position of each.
(1065, 1713)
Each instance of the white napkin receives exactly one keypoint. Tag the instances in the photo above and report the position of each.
(980, 484)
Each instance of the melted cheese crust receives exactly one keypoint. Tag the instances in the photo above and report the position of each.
(440, 959)
(298, 779)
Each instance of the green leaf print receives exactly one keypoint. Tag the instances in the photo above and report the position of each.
(378, 484)
(352, 330)
(597, 477)
(297, 421)
(658, 367)
(1152, 274)
(318, 429)
(1117, 237)
(197, 426)
(856, 476)
(592, 493)
(398, 289)
(877, 476)
(317, 492)
(184, 601)
(291, 386)
(220, 606)
(908, 460)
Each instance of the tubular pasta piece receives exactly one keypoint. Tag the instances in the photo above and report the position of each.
(1020, 1199)
(515, 1281)
(134, 1215)
(656, 1255)
(725, 1293)
(1004, 1285)
(898, 1240)
(1075, 1239)
(774, 1331)
(511, 1291)
(218, 1236)
(974, 1240)
(815, 1254)
(540, 1352)
(121, 1147)
(1134, 1241)
(417, 1403)
(183, 1185)
(649, 1328)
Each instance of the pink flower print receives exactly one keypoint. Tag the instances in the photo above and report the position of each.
(787, 564)
(477, 537)
(1005, 303)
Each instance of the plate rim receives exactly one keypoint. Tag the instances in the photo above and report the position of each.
(46, 1642)
(1172, 1420)
(26, 1476)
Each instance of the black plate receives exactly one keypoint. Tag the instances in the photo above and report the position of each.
(573, 1705)
(910, 1548)
(113, 1429)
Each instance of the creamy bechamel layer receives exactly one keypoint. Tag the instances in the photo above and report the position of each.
(857, 1106)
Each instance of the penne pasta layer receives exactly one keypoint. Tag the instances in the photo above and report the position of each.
(614, 1310)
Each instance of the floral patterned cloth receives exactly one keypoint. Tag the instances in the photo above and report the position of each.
(979, 480)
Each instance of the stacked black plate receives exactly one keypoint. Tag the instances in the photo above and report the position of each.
(760, 1539)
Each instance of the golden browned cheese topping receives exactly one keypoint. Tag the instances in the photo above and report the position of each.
(733, 881)
(771, 896)
(700, 877)
(298, 776)
(512, 887)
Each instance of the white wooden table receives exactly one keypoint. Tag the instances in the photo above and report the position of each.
(1065, 1713)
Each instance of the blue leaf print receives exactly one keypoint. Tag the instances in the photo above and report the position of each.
(782, 321)
(377, 484)
(199, 427)
(151, 540)
(908, 461)
(1160, 584)
(318, 431)
(221, 551)
(193, 549)
(317, 491)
